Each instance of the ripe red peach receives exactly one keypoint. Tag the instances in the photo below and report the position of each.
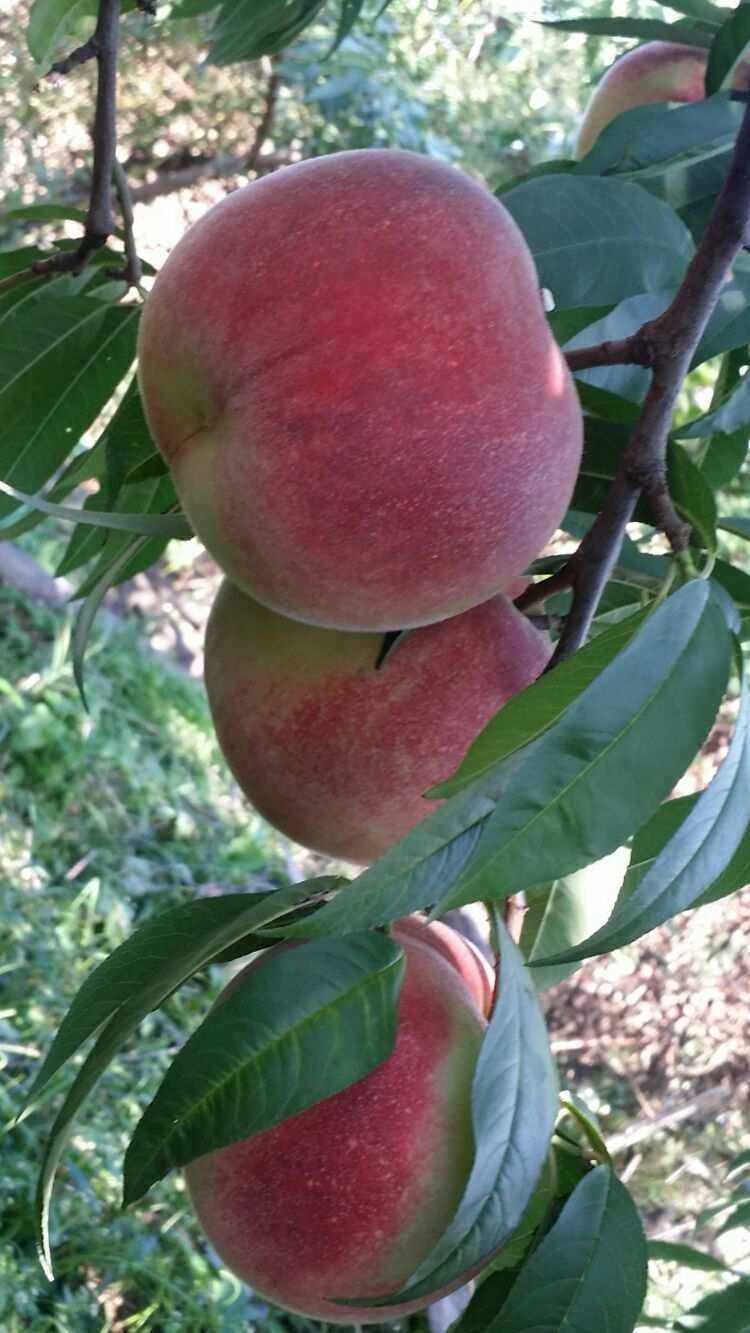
(337, 753)
(348, 367)
(654, 72)
(346, 1198)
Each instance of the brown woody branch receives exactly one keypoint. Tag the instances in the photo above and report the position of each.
(213, 168)
(666, 345)
(266, 120)
(99, 224)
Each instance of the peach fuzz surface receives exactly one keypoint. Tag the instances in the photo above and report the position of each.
(346, 1198)
(348, 367)
(336, 753)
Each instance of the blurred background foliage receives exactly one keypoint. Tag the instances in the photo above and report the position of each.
(105, 818)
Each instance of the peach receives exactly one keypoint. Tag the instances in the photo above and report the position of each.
(654, 72)
(337, 753)
(346, 1198)
(348, 367)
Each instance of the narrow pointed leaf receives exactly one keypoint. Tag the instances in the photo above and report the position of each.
(151, 525)
(252, 28)
(575, 798)
(692, 860)
(163, 953)
(134, 980)
(533, 710)
(305, 1024)
(514, 1105)
(588, 1273)
(728, 45)
(684, 1255)
(647, 29)
(60, 361)
(568, 911)
(726, 1311)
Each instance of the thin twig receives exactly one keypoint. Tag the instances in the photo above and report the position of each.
(266, 120)
(99, 220)
(131, 271)
(87, 51)
(637, 350)
(667, 345)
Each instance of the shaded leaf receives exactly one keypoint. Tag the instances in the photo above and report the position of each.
(685, 1256)
(725, 1311)
(514, 1105)
(589, 1271)
(694, 857)
(148, 967)
(596, 241)
(568, 911)
(533, 710)
(645, 137)
(648, 29)
(152, 525)
(249, 29)
(727, 46)
(574, 800)
(60, 361)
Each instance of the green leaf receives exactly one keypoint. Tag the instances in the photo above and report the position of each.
(87, 613)
(734, 581)
(685, 1256)
(597, 241)
(514, 1105)
(604, 443)
(726, 1311)
(151, 525)
(249, 29)
(348, 15)
(609, 406)
(729, 325)
(692, 496)
(486, 1301)
(649, 29)
(740, 527)
(127, 445)
(61, 359)
(693, 859)
(645, 138)
(739, 1164)
(533, 710)
(46, 212)
(126, 987)
(574, 799)
(727, 47)
(589, 1271)
(725, 455)
(588, 1122)
(326, 1010)
(739, 1217)
(163, 953)
(565, 324)
(628, 382)
(568, 911)
(50, 21)
(730, 416)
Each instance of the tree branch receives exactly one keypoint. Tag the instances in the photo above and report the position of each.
(266, 120)
(99, 221)
(667, 345)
